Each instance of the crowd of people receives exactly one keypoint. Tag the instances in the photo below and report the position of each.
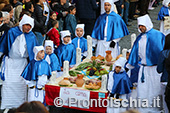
(36, 37)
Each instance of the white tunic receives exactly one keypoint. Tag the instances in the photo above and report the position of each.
(167, 31)
(14, 87)
(151, 87)
(103, 45)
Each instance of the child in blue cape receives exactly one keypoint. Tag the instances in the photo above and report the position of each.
(118, 81)
(37, 73)
(80, 41)
(66, 50)
(50, 57)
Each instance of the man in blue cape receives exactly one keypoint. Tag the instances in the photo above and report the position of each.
(108, 30)
(17, 44)
(145, 53)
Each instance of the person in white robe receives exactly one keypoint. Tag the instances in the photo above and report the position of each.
(145, 53)
(164, 11)
(17, 44)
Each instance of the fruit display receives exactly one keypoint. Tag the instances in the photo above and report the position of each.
(82, 66)
(73, 73)
(96, 69)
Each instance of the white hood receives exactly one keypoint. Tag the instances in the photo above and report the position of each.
(80, 26)
(36, 50)
(26, 20)
(64, 34)
(49, 43)
(120, 62)
(165, 2)
(145, 21)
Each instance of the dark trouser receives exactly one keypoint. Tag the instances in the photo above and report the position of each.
(144, 4)
(89, 24)
(132, 9)
(167, 97)
(126, 12)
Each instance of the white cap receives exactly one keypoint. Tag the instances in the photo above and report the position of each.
(120, 62)
(80, 26)
(145, 21)
(26, 20)
(49, 43)
(36, 50)
(166, 2)
(64, 34)
(109, 1)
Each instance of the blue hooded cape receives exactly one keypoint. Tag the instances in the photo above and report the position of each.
(163, 12)
(8, 39)
(66, 52)
(116, 27)
(122, 83)
(35, 69)
(155, 44)
(83, 43)
(54, 62)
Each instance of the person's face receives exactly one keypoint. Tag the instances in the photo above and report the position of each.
(11, 13)
(66, 39)
(79, 32)
(127, 55)
(48, 50)
(7, 19)
(142, 28)
(56, 25)
(32, 8)
(169, 5)
(54, 16)
(26, 28)
(73, 12)
(40, 55)
(107, 7)
(117, 69)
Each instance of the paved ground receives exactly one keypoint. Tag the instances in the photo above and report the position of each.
(125, 42)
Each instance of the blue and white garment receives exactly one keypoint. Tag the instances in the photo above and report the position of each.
(164, 11)
(105, 31)
(66, 51)
(17, 46)
(37, 74)
(145, 52)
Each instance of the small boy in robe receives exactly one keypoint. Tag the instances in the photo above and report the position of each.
(80, 41)
(66, 50)
(37, 73)
(118, 81)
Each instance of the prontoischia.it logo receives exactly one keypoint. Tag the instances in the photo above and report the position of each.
(59, 102)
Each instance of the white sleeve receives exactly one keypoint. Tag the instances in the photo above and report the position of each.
(42, 80)
(129, 66)
(116, 40)
(94, 42)
(30, 83)
(110, 82)
(1, 54)
(85, 53)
